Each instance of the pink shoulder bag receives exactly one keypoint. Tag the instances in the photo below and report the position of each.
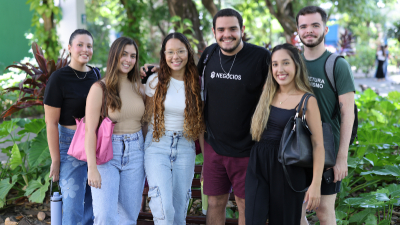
(104, 150)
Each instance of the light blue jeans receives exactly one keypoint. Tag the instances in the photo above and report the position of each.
(169, 166)
(122, 181)
(76, 194)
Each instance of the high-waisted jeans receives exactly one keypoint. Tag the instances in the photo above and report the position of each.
(169, 166)
(122, 181)
(76, 194)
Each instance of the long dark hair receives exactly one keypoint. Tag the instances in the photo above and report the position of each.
(112, 74)
(193, 123)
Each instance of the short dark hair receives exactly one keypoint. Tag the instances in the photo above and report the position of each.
(311, 10)
(228, 12)
(78, 32)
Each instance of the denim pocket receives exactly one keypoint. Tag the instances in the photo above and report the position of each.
(156, 203)
(188, 197)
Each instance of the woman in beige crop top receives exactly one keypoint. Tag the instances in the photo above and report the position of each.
(117, 185)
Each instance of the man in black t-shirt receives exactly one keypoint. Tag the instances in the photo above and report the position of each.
(233, 77)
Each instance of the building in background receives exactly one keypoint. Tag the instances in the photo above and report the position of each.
(15, 22)
(15, 25)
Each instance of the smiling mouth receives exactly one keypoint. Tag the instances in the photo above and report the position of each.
(125, 66)
(176, 63)
(282, 76)
(228, 40)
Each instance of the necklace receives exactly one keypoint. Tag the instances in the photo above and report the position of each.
(221, 63)
(77, 74)
(177, 90)
(280, 103)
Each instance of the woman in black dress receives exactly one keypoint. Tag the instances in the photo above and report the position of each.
(268, 195)
(381, 56)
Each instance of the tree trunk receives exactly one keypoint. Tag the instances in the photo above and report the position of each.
(210, 6)
(186, 9)
(283, 12)
(48, 24)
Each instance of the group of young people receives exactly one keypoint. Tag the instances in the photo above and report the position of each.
(236, 102)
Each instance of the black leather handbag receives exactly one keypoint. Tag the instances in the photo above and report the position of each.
(295, 147)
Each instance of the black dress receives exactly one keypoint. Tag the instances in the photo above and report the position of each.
(379, 71)
(268, 195)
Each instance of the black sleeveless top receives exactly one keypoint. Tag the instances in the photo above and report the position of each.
(277, 121)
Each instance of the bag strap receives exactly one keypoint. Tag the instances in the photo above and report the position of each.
(97, 72)
(305, 96)
(208, 56)
(299, 105)
(104, 111)
(303, 117)
(330, 65)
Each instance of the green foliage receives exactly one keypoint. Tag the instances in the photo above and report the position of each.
(31, 89)
(184, 26)
(28, 163)
(374, 166)
(363, 59)
(258, 21)
(46, 14)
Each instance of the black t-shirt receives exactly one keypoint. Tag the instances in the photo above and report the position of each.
(66, 91)
(231, 99)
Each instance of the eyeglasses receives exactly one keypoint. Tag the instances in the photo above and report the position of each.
(171, 53)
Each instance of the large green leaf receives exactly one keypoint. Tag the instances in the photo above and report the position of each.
(199, 159)
(38, 195)
(15, 159)
(5, 187)
(354, 201)
(371, 220)
(388, 171)
(39, 150)
(360, 217)
(34, 126)
(229, 213)
(384, 222)
(33, 185)
(394, 190)
(340, 214)
(394, 96)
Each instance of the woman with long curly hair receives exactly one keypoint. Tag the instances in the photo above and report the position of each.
(174, 110)
(117, 185)
(268, 195)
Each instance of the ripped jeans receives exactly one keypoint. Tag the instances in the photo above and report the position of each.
(169, 166)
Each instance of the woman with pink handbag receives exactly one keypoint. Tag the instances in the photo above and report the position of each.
(64, 99)
(117, 185)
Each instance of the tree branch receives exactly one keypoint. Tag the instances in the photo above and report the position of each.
(210, 6)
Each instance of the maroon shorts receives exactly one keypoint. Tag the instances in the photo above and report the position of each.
(223, 173)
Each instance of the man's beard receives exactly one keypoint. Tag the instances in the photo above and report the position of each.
(312, 45)
(229, 50)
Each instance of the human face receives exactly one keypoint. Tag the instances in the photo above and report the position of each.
(81, 49)
(311, 30)
(127, 60)
(177, 62)
(228, 34)
(283, 68)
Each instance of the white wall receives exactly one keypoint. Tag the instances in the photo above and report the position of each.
(72, 12)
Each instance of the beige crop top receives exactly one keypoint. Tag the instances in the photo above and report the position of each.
(132, 109)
